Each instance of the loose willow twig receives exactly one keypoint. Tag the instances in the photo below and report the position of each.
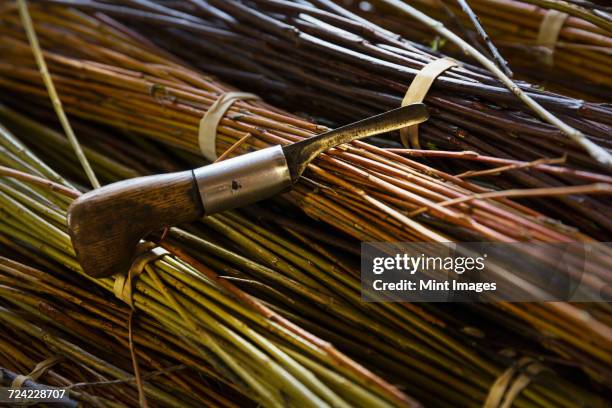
(8, 172)
(501, 62)
(152, 374)
(597, 188)
(57, 104)
(598, 153)
(142, 398)
(508, 167)
(474, 156)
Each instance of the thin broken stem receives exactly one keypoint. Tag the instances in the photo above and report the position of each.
(55, 100)
(501, 62)
(29, 178)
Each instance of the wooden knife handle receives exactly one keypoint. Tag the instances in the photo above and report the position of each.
(106, 224)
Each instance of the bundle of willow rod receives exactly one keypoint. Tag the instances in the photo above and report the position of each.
(394, 326)
(169, 100)
(262, 245)
(270, 359)
(400, 333)
(105, 75)
(44, 315)
(581, 59)
(329, 61)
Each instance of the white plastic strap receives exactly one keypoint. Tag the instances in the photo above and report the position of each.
(549, 34)
(418, 90)
(511, 382)
(207, 136)
(39, 370)
(123, 282)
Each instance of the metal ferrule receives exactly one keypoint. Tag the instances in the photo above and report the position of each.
(243, 180)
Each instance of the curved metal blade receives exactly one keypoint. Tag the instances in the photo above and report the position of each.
(299, 154)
